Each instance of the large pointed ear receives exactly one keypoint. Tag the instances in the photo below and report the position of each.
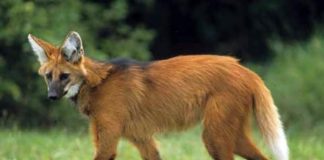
(39, 47)
(72, 49)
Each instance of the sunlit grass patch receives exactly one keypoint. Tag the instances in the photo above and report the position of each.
(58, 144)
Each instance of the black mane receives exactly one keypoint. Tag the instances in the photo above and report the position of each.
(125, 63)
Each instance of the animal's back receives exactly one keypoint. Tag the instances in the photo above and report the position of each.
(178, 89)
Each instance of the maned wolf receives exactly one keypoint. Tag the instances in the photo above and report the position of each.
(134, 100)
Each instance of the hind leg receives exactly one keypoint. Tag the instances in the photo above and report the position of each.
(218, 146)
(245, 148)
(147, 148)
(221, 124)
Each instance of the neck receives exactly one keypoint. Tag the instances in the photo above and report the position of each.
(82, 99)
(94, 72)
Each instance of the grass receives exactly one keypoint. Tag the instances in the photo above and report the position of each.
(59, 144)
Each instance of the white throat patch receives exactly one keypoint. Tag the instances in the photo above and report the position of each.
(73, 90)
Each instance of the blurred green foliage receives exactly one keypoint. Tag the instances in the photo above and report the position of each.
(295, 79)
(105, 34)
(127, 28)
(235, 27)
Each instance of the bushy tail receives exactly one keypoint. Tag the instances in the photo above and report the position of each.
(269, 123)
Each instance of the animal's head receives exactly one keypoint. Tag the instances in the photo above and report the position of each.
(61, 66)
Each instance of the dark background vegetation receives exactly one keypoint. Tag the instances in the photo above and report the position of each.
(280, 39)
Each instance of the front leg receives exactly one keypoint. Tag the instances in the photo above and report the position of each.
(106, 133)
(147, 148)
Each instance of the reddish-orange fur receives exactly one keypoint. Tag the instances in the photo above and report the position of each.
(169, 95)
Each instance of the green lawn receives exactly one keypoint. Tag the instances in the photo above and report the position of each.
(60, 144)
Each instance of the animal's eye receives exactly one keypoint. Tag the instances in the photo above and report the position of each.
(64, 76)
(49, 76)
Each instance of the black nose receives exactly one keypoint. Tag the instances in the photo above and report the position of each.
(52, 96)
